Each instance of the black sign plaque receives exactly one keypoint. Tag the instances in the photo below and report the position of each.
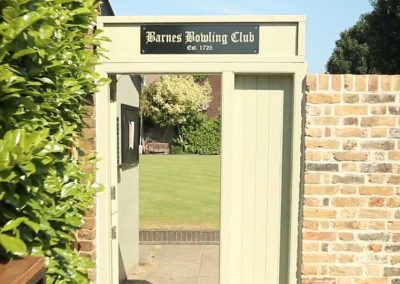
(199, 39)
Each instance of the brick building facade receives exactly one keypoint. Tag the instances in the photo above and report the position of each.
(215, 104)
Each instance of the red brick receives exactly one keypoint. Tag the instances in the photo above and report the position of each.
(336, 81)
(346, 236)
(321, 189)
(396, 83)
(351, 110)
(351, 98)
(351, 132)
(316, 98)
(322, 143)
(346, 202)
(351, 156)
(323, 82)
(311, 82)
(349, 82)
(319, 236)
(373, 83)
(376, 202)
(376, 190)
(386, 83)
(394, 155)
(361, 83)
(319, 258)
(378, 121)
(375, 247)
(343, 271)
(86, 245)
(374, 214)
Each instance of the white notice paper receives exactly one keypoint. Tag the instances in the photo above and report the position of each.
(131, 134)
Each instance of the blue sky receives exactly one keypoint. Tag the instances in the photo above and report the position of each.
(325, 18)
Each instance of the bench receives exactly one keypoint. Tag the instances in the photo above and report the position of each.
(28, 270)
(157, 148)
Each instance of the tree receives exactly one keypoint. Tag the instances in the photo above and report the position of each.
(372, 45)
(384, 36)
(172, 100)
(351, 54)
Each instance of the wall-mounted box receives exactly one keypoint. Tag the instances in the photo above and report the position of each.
(130, 132)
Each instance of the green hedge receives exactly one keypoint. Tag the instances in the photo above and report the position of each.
(177, 150)
(203, 139)
(46, 77)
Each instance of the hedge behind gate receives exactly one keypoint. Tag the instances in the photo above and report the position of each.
(47, 60)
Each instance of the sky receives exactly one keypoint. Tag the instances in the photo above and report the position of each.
(325, 19)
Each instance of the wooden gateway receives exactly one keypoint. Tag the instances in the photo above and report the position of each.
(261, 61)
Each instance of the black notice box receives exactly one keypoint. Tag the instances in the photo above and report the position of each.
(130, 131)
(199, 39)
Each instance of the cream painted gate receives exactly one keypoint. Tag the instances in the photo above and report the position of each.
(261, 142)
(124, 178)
(260, 188)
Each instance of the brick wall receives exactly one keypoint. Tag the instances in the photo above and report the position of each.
(86, 236)
(351, 222)
(215, 104)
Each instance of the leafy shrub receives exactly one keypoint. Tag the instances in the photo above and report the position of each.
(46, 75)
(171, 99)
(176, 150)
(203, 139)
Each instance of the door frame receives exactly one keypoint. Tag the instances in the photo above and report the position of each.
(228, 67)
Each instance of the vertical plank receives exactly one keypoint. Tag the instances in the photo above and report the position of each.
(262, 134)
(249, 182)
(227, 91)
(103, 205)
(237, 180)
(274, 182)
(287, 86)
(296, 166)
(259, 222)
(113, 172)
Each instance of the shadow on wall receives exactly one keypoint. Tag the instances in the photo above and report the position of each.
(137, 282)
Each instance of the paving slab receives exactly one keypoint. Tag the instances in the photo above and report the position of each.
(209, 265)
(176, 264)
(208, 280)
(173, 280)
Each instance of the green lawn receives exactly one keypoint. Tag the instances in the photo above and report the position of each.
(179, 192)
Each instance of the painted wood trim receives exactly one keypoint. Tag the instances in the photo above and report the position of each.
(301, 39)
(227, 89)
(200, 19)
(103, 205)
(205, 68)
(296, 178)
(167, 58)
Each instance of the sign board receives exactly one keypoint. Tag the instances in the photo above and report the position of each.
(199, 39)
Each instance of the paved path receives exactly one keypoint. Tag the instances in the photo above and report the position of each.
(177, 264)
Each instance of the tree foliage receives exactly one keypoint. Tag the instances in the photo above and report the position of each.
(351, 54)
(372, 45)
(173, 100)
(46, 75)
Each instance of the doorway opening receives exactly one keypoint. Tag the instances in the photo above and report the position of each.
(179, 178)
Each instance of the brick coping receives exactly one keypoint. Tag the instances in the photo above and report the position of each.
(179, 237)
